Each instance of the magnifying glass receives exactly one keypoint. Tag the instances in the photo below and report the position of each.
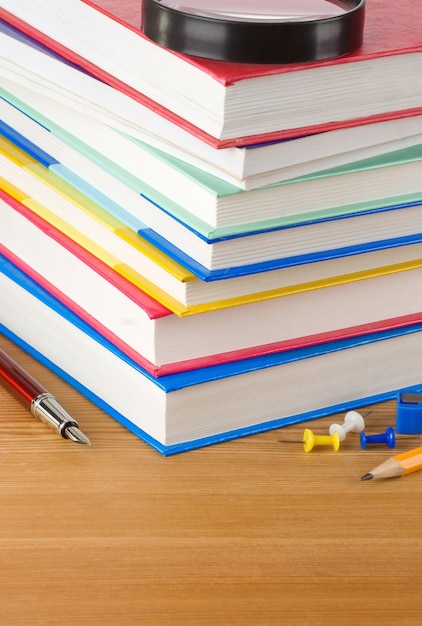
(256, 31)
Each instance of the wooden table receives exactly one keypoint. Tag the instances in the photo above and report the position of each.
(249, 532)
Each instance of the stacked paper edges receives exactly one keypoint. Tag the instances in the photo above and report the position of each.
(199, 294)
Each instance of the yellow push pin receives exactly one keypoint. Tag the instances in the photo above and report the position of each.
(310, 440)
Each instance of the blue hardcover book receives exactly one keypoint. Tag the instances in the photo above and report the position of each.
(300, 242)
(182, 411)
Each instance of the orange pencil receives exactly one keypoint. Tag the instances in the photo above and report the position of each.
(398, 465)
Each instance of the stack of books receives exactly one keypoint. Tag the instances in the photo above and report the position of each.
(208, 250)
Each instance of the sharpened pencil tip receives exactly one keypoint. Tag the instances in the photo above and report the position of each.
(368, 476)
(76, 435)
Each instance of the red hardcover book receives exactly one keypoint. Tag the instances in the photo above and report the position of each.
(162, 343)
(230, 103)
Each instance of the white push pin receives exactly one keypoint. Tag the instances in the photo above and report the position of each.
(353, 423)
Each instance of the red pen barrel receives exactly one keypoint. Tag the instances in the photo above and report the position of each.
(17, 381)
(41, 403)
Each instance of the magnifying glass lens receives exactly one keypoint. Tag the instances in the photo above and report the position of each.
(261, 10)
(256, 31)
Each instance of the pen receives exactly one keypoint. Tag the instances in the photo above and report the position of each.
(41, 403)
(398, 465)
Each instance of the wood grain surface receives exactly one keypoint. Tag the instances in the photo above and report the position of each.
(252, 532)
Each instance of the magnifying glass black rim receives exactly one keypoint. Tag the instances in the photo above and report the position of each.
(254, 42)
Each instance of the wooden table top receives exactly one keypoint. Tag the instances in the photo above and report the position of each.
(248, 532)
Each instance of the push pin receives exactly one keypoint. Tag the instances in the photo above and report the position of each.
(388, 438)
(310, 440)
(353, 423)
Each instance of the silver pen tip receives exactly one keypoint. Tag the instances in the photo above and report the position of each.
(76, 435)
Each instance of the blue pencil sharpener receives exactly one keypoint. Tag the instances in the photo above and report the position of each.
(409, 413)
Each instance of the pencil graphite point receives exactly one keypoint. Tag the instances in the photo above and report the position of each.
(368, 476)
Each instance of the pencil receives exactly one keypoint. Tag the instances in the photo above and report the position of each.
(398, 465)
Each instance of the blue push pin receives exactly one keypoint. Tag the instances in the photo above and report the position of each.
(388, 438)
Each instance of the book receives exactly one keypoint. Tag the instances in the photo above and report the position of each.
(187, 410)
(206, 204)
(73, 95)
(162, 343)
(174, 287)
(232, 103)
(74, 201)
